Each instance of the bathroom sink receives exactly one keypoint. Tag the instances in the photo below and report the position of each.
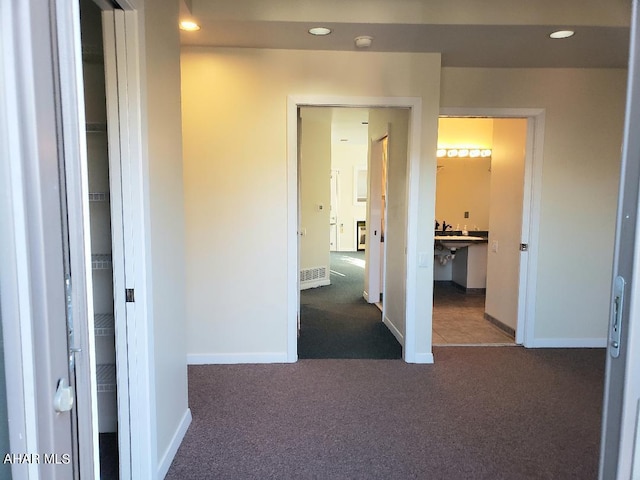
(453, 242)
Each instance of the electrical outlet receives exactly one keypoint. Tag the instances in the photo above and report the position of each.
(494, 246)
(466, 214)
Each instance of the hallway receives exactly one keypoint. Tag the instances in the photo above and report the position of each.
(336, 322)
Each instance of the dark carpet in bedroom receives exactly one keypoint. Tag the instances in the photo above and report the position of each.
(336, 322)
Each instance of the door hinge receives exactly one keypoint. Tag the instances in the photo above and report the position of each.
(129, 295)
(524, 247)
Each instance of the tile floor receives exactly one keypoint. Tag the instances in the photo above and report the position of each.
(458, 319)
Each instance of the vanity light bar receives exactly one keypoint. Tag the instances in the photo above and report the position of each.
(463, 152)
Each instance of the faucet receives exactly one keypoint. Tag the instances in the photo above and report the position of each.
(437, 224)
(445, 226)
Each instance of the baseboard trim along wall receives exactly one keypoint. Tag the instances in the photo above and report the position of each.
(502, 326)
(423, 358)
(394, 330)
(172, 449)
(236, 358)
(568, 343)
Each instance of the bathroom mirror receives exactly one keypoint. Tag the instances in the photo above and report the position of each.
(463, 185)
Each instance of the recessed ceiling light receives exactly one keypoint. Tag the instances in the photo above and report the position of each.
(189, 26)
(562, 34)
(320, 31)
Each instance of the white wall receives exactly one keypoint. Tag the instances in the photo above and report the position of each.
(315, 191)
(234, 118)
(345, 158)
(505, 224)
(161, 72)
(395, 123)
(583, 132)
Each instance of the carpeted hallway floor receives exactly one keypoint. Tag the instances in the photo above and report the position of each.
(477, 413)
(336, 322)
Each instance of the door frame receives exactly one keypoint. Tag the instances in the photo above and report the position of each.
(525, 327)
(414, 104)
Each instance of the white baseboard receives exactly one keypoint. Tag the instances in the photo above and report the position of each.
(423, 358)
(176, 440)
(365, 295)
(236, 358)
(323, 282)
(568, 343)
(394, 330)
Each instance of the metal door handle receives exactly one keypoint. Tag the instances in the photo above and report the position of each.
(617, 307)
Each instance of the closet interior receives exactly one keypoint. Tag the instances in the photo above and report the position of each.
(100, 220)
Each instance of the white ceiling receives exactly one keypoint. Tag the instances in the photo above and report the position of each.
(468, 33)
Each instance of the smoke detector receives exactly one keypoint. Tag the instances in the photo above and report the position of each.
(363, 41)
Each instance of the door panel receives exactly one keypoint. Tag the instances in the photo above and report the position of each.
(44, 188)
(373, 244)
(621, 394)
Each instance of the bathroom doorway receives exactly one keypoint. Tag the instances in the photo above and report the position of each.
(481, 192)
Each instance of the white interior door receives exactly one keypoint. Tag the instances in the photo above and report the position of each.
(622, 389)
(373, 245)
(383, 199)
(333, 215)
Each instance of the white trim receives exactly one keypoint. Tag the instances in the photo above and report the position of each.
(236, 358)
(174, 444)
(424, 358)
(415, 106)
(568, 343)
(394, 330)
(525, 328)
(413, 200)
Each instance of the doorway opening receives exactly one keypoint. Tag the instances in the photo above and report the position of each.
(338, 319)
(484, 203)
(105, 232)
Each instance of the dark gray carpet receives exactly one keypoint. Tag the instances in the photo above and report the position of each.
(336, 322)
(477, 413)
(109, 466)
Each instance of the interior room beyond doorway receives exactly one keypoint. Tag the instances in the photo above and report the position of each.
(334, 180)
(479, 196)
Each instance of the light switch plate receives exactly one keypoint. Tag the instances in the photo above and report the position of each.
(423, 259)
